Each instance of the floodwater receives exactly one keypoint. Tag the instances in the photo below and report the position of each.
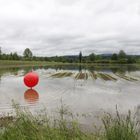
(85, 90)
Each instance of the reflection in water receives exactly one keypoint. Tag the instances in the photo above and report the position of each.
(31, 96)
(122, 69)
(80, 68)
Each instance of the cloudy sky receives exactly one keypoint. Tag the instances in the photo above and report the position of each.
(65, 27)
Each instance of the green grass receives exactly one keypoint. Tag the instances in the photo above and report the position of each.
(120, 127)
(26, 126)
(19, 63)
(11, 63)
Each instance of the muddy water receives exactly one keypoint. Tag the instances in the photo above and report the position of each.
(83, 95)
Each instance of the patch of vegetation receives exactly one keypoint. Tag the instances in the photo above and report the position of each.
(104, 77)
(126, 77)
(81, 76)
(94, 76)
(120, 127)
(62, 74)
(110, 77)
(26, 126)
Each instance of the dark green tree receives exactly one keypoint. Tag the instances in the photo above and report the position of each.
(80, 57)
(114, 56)
(130, 60)
(27, 54)
(15, 56)
(99, 57)
(122, 55)
(92, 57)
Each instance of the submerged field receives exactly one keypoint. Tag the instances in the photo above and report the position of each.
(94, 76)
(89, 91)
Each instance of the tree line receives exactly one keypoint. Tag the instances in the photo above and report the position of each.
(121, 57)
(27, 55)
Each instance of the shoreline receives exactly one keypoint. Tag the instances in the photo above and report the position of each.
(18, 64)
(65, 125)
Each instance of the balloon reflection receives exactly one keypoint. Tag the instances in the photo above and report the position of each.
(31, 96)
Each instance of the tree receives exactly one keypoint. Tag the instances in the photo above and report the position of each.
(114, 56)
(130, 60)
(122, 55)
(80, 57)
(92, 57)
(27, 53)
(15, 56)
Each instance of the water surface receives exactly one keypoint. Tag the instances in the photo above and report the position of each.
(83, 94)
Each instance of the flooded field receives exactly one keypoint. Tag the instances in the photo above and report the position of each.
(90, 90)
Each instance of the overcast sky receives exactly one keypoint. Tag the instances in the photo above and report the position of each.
(65, 27)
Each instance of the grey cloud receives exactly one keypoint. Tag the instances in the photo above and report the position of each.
(63, 27)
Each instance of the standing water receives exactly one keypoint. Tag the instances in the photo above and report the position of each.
(84, 90)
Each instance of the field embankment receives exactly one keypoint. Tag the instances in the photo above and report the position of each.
(17, 63)
(9, 63)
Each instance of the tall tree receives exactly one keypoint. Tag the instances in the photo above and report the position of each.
(27, 53)
(80, 57)
(122, 54)
(92, 57)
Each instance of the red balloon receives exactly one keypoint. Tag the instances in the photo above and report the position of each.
(31, 79)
